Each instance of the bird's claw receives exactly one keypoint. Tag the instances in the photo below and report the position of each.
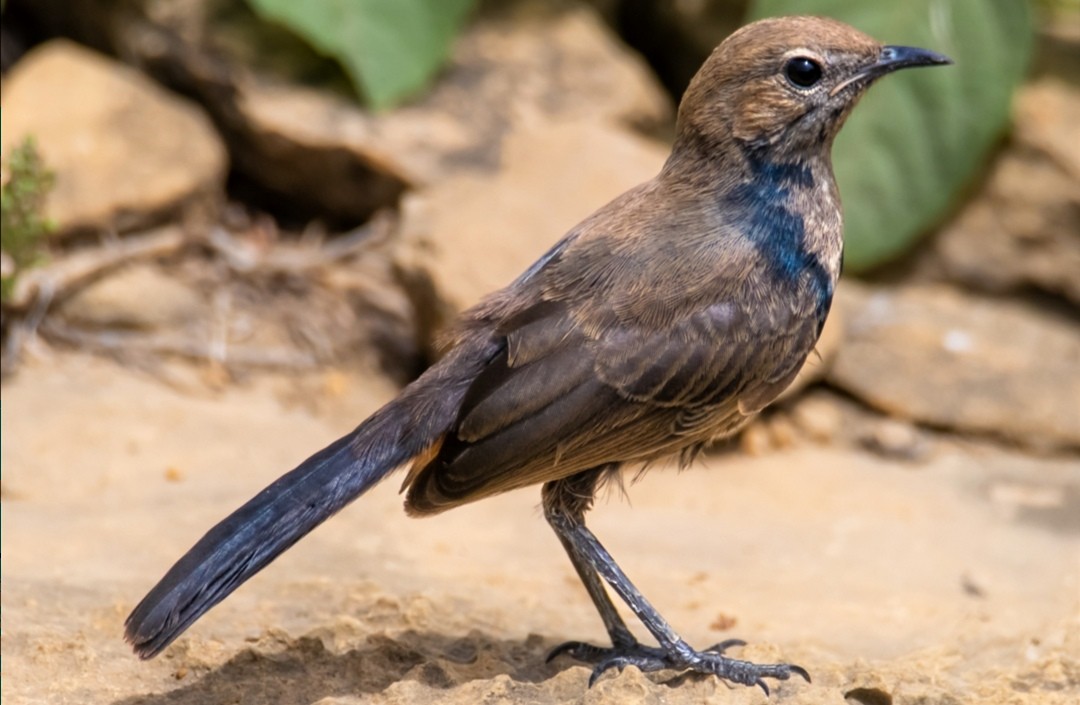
(722, 646)
(711, 661)
(619, 663)
(579, 651)
(745, 672)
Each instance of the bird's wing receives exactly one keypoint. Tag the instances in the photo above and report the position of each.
(583, 380)
(540, 390)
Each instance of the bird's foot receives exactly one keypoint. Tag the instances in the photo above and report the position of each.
(710, 661)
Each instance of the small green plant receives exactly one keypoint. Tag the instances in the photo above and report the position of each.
(389, 48)
(23, 226)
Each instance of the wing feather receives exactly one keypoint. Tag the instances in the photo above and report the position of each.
(600, 362)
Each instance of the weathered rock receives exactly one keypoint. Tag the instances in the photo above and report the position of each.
(330, 155)
(125, 152)
(676, 36)
(939, 357)
(895, 439)
(818, 416)
(140, 296)
(503, 71)
(1023, 229)
(476, 233)
(1047, 112)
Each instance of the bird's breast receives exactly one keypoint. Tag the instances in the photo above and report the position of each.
(790, 214)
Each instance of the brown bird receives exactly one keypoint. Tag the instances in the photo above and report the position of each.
(663, 321)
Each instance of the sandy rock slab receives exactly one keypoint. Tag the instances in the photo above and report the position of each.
(947, 359)
(125, 152)
(951, 581)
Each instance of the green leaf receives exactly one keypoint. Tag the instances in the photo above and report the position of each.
(920, 136)
(390, 48)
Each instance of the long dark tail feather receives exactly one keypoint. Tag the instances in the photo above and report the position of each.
(250, 538)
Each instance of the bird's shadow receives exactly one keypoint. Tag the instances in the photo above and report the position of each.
(306, 671)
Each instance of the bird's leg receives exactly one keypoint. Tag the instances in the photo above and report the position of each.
(565, 503)
(573, 496)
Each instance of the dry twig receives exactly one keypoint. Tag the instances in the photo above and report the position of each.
(303, 258)
(56, 279)
(111, 341)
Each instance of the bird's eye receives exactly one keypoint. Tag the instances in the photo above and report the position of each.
(802, 72)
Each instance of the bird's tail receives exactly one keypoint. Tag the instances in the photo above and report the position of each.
(250, 538)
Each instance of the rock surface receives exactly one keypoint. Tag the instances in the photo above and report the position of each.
(140, 296)
(675, 36)
(328, 154)
(1023, 229)
(939, 357)
(955, 583)
(125, 152)
(505, 70)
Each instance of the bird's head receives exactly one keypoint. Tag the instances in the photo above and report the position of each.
(787, 84)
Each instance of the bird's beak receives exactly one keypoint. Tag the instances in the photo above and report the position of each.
(894, 58)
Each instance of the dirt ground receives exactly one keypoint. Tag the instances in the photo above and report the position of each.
(953, 580)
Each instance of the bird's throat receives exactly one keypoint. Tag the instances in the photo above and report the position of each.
(789, 211)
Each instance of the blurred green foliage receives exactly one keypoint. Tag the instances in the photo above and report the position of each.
(1059, 5)
(23, 226)
(390, 48)
(919, 138)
